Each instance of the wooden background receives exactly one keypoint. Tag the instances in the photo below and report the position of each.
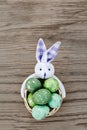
(22, 23)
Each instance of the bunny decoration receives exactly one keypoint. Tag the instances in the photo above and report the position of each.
(43, 84)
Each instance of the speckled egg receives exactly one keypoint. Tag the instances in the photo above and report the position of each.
(56, 101)
(40, 112)
(33, 84)
(41, 97)
(51, 84)
(30, 101)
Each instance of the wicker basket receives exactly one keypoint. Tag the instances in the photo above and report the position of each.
(52, 111)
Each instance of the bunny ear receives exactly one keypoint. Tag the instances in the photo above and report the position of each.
(41, 48)
(52, 51)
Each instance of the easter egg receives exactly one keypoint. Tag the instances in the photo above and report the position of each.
(51, 84)
(40, 112)
(41, 96)
(56, 101)
(30, 101)
(33, 84)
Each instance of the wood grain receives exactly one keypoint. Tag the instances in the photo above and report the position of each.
(22, 23)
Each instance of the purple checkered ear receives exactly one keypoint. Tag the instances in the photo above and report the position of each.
(52, 51)
(41, 48)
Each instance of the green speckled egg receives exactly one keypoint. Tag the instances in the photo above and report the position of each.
(51, 84)
(41, 97)
(56, 101)
(40, 112)
(33, 84)
(30, 101)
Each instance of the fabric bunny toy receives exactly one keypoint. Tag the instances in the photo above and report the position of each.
(44, 68)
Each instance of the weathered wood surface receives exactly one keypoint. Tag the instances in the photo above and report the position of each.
(22, 23)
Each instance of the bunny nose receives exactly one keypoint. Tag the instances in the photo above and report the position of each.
(44, 75)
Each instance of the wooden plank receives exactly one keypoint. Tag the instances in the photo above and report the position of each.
(22, 23)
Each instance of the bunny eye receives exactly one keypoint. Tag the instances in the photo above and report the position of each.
(40, 69)
(49, 69)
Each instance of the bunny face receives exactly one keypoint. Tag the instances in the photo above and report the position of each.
(44, 69)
